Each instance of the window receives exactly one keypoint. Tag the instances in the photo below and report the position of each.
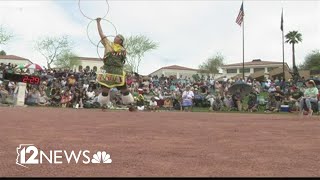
(95, 68)
(246, 70)
(258, 69)
(80, 68)
(231, 71)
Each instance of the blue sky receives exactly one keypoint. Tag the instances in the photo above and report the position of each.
(188, 32)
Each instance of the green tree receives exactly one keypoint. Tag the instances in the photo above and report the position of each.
(4, 36)
(67, 59)
(212, 65)
(53, 48)
(312, 61)
(196, 77)
(294, 37)
(3, 53)
(136, 47)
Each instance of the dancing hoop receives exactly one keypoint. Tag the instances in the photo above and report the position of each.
(89, 17)
(100, 42)
(107, 36)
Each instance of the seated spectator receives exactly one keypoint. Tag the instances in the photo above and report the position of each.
(168, 104)
(197, 98)
(55, 96)
(271, 89)
(3, 93)
(43, 99)
(294, 99)
(279, 97)
(76, 100)
(252, 102)
(33, 97)
(271, 105)
(211, 98)
(90, 94)
(256, 89)
(318, 102)
(71, 81)
(11, 86)
(146, 86)
(66, 99)
(153, 105)
(310, 96)
(140, 102)
(227, 101)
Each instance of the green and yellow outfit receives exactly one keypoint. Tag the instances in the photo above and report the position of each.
(113, 74)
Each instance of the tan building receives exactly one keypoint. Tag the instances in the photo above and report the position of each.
(175, 70)
(89, 63)
(14, 60)
(256, 69)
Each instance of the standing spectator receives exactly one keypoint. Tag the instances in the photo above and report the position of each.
(187, 98)
(237, 99)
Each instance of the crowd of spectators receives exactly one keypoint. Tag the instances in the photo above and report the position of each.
(65, 88)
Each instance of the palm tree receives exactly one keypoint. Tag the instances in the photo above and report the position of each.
(293, 37)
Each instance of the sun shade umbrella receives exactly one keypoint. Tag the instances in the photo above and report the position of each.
(20, 66)
(34, 66)
(243, 87)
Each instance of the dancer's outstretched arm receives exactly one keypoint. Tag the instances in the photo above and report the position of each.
(104, 40)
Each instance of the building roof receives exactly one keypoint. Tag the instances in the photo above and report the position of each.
(89, 59)
(13, 57)
(176, 67)
(254, 63)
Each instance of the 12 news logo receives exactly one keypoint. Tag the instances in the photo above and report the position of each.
(28, 154)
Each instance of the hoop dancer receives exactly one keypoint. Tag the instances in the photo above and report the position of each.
(113, 75)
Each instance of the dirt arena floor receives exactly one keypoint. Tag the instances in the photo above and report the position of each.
(162, 144)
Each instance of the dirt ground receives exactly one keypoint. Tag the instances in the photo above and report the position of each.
(162, 144)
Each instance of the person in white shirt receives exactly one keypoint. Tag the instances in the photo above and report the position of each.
(90, 94)
(187, 98)
(153, 105)
(271, 89)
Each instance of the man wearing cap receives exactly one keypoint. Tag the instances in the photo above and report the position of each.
(294, 97)
(310, 95)
(113, 75)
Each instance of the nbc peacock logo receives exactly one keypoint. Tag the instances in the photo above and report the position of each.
(101, 157)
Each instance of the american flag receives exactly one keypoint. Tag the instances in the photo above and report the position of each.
(240, 15)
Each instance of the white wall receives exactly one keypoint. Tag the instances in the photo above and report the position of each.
(90, 63)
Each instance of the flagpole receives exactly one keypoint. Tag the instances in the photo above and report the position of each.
(243, 46)
(283, 56)
(283, 71)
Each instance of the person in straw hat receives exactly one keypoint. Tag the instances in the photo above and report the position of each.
(113, 75)
(310, 95)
